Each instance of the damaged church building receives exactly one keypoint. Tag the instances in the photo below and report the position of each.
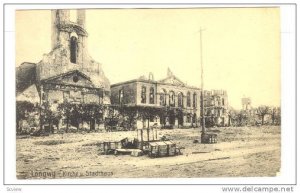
(68, 90)
(66, 75)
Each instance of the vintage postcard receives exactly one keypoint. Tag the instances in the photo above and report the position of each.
(148, 93)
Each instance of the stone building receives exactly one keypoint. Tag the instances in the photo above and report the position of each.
(216, 108)
(67, 74)
(171, 102)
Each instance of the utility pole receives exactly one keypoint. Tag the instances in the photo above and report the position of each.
(202, 91)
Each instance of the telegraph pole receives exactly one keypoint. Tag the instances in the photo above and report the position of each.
(202, 90)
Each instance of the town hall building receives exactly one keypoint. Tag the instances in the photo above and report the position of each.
(172, 103)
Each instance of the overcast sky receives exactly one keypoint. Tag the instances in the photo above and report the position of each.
(241, 46)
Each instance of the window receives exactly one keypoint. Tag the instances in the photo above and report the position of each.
(75, 78)
(188, 119)
(76, 96)
(66, 95)
(151, 96)
(194, 118)
(223, 101)
(152, 118)
(73, 49)
(188, 99)
(143, 94)
(162, 98)
(180, 100)
(194, 100)
(172, 99)
(121, 94)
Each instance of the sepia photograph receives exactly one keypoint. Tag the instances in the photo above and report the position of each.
(148, 93)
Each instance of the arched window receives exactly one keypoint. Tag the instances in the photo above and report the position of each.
(188, 99)
(121, 96)
(73, 49)
(188, 118)
(194, 100)
(151, 95)
(162, 98)
(172, 99)
(194, 118)
(143, 94)
(180, 99)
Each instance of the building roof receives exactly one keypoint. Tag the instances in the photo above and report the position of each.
(25, 76)
(30, 94)
(171, 79)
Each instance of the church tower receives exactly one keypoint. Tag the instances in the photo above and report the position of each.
(70, 35)
(69, 50)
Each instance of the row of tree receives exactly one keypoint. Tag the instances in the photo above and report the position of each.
(132, 113)
(77, 114)
(74, 114)
(257, 116)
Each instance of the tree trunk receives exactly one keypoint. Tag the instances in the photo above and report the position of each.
(77, 125)
(262, 119)
(67, 129)
(92, 125)
(50, 127)
(142, 139)
(148, 128)
(18, 126)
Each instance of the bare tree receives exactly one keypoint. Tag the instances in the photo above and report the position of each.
(262, 111)
(231, 113)
(276, 115)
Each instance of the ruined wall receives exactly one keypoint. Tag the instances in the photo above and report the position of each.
(56, 96)
(129, 93)
(216, 106)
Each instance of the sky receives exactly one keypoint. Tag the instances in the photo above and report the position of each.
(240, 46)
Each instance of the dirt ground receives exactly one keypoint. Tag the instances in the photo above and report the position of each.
(241, 151)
